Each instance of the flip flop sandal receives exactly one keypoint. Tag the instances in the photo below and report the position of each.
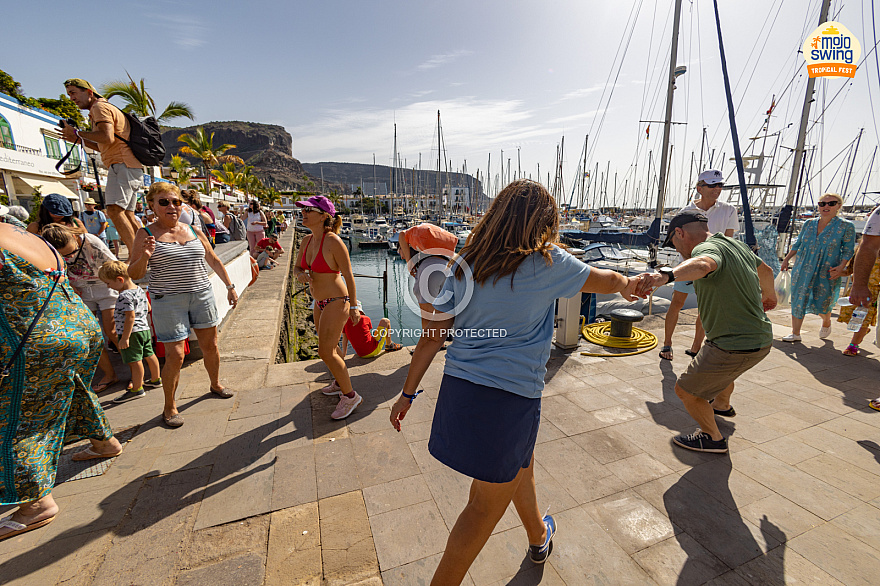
(101, 387)
(665, 350)
(224, 393)
(90, 454)
(19, 528)
(874, 404)
(691, 353)
(175, 420)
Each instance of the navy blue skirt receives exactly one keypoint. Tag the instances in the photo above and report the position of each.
(483, 432)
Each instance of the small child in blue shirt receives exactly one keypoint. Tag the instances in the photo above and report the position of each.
(133, 329)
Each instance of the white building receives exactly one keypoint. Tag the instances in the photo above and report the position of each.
(30, 146)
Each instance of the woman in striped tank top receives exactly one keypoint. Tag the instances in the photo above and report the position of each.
(178, 256)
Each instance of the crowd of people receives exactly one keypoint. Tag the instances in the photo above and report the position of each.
(57, 273)
(68, 300)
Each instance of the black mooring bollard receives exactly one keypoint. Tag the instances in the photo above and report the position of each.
(622, 322)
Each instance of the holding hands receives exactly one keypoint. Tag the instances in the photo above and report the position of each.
(648, 282)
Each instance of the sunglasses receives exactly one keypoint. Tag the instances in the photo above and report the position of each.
(713, 185)
(822, 204)
(164, 202)
(312, 209)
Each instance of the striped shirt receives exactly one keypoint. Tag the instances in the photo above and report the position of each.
(178, 268)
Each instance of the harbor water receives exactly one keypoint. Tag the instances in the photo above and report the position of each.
(401, 308)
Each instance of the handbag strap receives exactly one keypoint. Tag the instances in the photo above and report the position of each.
(5, 372)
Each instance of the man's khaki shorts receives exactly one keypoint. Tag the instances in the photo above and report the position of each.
(123, 184)
(713, 369)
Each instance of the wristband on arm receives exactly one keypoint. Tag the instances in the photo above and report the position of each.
(413, 396)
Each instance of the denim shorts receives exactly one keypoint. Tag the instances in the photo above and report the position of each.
(174, 315)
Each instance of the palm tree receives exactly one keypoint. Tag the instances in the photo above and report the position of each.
(270, 196)
(138, 101)
(252, 184)
(184, 170)
(228, 176)
(201, 145)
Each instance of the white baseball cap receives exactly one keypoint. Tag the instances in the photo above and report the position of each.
(711, 177)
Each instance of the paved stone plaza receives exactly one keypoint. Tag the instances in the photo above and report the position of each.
(267, 489)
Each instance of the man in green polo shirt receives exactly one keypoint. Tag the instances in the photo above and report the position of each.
(734, 289)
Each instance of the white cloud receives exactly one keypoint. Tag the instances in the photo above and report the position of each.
(185, 31)
(471, 128)
(443, 59)
(580, 93)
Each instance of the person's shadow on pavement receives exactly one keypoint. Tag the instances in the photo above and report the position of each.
(701, 505)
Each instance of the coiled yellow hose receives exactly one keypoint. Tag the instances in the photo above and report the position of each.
(641, 340)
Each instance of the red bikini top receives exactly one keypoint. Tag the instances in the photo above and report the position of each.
(319, 265)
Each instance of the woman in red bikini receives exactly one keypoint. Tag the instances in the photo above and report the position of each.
(325, 266)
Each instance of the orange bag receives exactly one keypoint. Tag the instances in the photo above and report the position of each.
(255, 271)
(430, 237)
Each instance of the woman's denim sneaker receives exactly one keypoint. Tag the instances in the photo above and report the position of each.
(539, 553)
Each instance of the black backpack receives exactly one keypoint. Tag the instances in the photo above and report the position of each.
(144, 140)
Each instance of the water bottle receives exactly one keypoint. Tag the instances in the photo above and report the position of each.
(858, 317)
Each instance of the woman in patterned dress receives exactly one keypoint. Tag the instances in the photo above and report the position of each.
(45, 401)
(823, 247)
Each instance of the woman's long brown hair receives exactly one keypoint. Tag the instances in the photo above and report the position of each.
(522, 220)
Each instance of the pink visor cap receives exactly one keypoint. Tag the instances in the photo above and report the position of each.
(320, 202)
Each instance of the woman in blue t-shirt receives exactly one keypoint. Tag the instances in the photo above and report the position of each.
(501, 294)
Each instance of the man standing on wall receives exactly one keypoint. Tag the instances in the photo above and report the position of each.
(722, 218)
(108, 134)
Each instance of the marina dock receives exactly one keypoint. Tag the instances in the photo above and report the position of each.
(266, 489)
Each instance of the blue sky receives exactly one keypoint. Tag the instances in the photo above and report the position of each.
(337, 74)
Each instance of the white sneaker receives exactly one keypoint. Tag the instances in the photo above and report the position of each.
(346, 406)
(824, 332)
(332, 389)
(792, 338)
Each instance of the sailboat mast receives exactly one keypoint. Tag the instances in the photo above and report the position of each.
(667, 119)
(439, 201)
(852, 163)
(802, 130)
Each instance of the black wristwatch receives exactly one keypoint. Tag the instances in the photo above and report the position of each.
(668, 271)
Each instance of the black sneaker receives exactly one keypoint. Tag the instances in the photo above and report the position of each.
(700, 441)
(129, 396)
(539, 553)
(153, 384)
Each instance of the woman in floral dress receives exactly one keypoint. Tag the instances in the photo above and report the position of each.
(823, 247)
(45, 400)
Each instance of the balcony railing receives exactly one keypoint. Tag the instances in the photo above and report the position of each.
(20, 148)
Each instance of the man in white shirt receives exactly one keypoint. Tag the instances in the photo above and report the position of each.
(724, 218)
